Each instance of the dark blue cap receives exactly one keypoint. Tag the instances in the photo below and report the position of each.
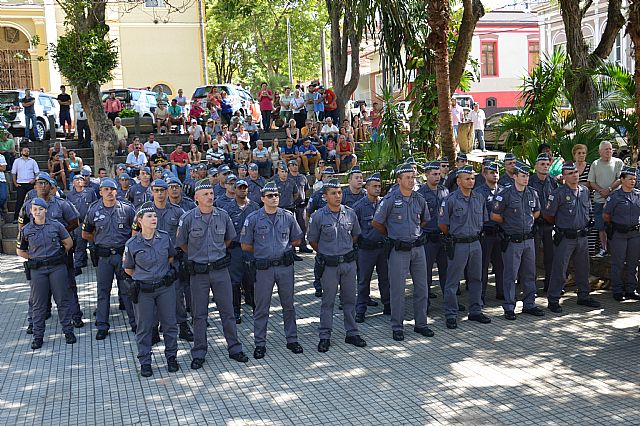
(241, 182)
(522, 168)
(121, 166)
(253, 166)
(461, 157)
(404, 168)
(444, 160)
(509, 156)
(432, 165)
(627, 171)
(212, 171)
(332, 183)
(242, 166)
(159, 183)
(465, 169)
(158, 168)
(411, 161)
(40, 203)
(292, 162)
(108, 183)
(146, 169)
(79, 176)
(354, 169)
(146, 207)
(171, 180)
(203, 184)
(269, 187)
(373, 178)
(124, 176)
(224, 169)
(568, 166)
(543, 157)
(328, 171)
(491, 166)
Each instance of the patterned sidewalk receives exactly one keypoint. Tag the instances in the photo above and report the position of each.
(579, 367)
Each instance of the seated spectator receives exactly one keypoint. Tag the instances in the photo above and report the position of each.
(161, 97)
(306, 130)
(159, 159)
(359, 132)
(122, 134)
(179, 162)
(289, 152)
(309, 155)
(7, 147)
(73, 166)
(274, 154)
(222, 143)
(196, 111)
(293, 132)
(162, 116)
(318, 175)
(195, 156)
(216, 155)
(344, 154)
(209, 131)
(236, 121)
(56, 169)
(134, 141)
(330, 149)
(261, 158)
(196, 134)
(329, 129)
(252, 129)
(136, 160)
(151, 145)
(243, 155)
(346, 125)
(243, 135)
(226, 133)
(177, 116)
(233, 147)
(60, 150)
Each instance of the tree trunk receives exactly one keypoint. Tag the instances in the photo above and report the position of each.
(633, 28)
(102, 133)
(473, 11)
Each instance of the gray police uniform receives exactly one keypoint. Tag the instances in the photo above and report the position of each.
(402, 217)
(371, 254)
(81, 200)
(271, 237)
(121, 193)
(156, 299)
(139, 194)
(334, 232)
(186, 203)
(465, 217)
(112, 228)
(219, 190)
(571, 212)
(505, 181)
(349, 198)
(624, 244)
(205, 236)
(44, 244)
(491, 244)
(303, 186)
(517, 210)
(544, 229)
(255, 186)
(316, 202)
(288, 190)
(433, 247)
(224, 201)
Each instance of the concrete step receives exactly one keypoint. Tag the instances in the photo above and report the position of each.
(9, 231)
(9, 246)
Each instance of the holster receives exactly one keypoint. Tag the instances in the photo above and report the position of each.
(318, 267)
(195, 268)
(27, 271)
(69, 256)
(609, 230)
(285, 260)
(93, 256)
(557, 237)
(449, 247)
(133, 289)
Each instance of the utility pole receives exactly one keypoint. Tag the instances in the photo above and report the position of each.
(289, 52)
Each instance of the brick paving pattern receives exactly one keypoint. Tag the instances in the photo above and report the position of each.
(579, 367)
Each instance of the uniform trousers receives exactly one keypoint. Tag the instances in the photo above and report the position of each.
(624, 248)
(520, 263)
(401, 263)
(44, 280)
(578, 249)
(161, 302)
(435, 253)
(544, 238)
(467, 258)
(80, 254)
(299, 214)
(282, 276)
(492, 253)
(108, 268)
(343, 275)
(242, 274)
(367, 260)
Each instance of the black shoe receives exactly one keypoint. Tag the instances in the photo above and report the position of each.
(146, 370)
(185, 332)
(240, 357)
(134, 329)
(632, 295)
(70, 338)
(452, 323)
(238, 318)
(340, 305)
(172, 365)
(30, 329)
(197, 363)
(359, 318)
(77, 323)
(318, 293)
(461, 307)
(355, 341)
(77, 271)
(589, 302)
(398, 335)
(618, 297)
(295, 347)
(259, 351)
(305, 249)
(323, 345)
(555, 308)
(458, 292)
(48, 315)
(121, 306)
(36, 343)
(372, 302)
(297, 258)
(208, 325)
(387, 309)
(155, 336)
(94, 312)
(510, 315)
(102, 334)
(432, 295)
(535, 311)
(481, 318)
(425, 331)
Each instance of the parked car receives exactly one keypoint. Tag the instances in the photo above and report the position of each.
(239, 97)
(141, 101)
(491, 138)
(46, 105)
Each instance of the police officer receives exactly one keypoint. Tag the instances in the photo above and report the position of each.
(108, 225)
(451, 182)
(230, 194)
(287, 188)
(241, 270)
(212, 175)
(568, 209)
(544, 186)
(141, 192)
(316, 202)
(271, 233)
(371, 250)
(300, 203)
(255, 182)
(204, 234)
(401, 215)
(188, 186)
(86, 174)
(509, 170)
(433, 193)
(462, 216)
(147, 259)
(490, 241)
(176, 196)
(81, 198)
(622, 213)
(355, 191)
(220, 189)
(516, 209)
(332, 231)
(43, 242)
(444, 170)
(124, 185)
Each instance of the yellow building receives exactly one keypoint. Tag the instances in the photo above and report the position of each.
(155, 47)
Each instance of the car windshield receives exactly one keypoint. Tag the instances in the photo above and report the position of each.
(201, 92)
(122, 95)
(9, 99)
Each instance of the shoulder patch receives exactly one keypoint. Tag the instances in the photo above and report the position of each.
(498, 197)
(550, 197)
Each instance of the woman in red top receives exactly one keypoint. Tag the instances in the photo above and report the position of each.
(344, 153)
(265, 99)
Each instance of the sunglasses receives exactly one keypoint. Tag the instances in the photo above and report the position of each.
(159, 189)
(270, 196)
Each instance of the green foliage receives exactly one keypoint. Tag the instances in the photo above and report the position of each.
(590, 134)
(127, 113)
(424, 110)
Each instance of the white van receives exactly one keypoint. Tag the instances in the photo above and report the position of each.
(141, 101)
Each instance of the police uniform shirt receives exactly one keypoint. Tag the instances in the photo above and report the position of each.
(517, 209)
(148, 258)
(480, 180)
(489, 195)
(111, 225)
(219, 190)
(544, 188)
(42, 241)
(139, 194)
(403, 215)
(571, 210)
(82, 200)
(168, 219)
(433, 198)
(450, 182)
(224, 201)
(255, 188)
(349, 198)
(287, 189)
(205, 234)
(302, 184)
(94, 187)
(505, 180)
(624, 207)
(59, 209)
(464, 215)
(238, 215)
(365, 210)
(186, 203)
(188, 187)
(270, 235)
(316, 202)
(333, 232)
(122, 194)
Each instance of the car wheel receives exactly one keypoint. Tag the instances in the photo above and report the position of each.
(41, 130)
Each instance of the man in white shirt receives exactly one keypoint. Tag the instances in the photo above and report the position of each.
(136, 160)
(151, 146)
(478, 118)
(457, 115)
(23, 172)
(329, 129)
(261, 158)
(122, 134)
(82, 126)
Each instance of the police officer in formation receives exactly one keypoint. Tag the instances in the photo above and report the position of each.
(371, 250)
(147, 259)
(332, 231)
(354, 191)
(43, 242)
(622, 214)
(271, 233)
(516, 209)
(255, 182)
(229, 195)
(300, 203)
(141, 192)
(287, 188)
(401, 216)
(204, 234)
(220, 189)
(124, 185)
(451, 181)
(461, 218)
(176, 195)
(108, 224)
(507, 178)
(568, 209)
(81, 198)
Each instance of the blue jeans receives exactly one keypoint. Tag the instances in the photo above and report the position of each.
(4, 194)
(29, 122)
(480, 139)
(182, 170)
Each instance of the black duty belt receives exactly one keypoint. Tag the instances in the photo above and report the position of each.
(518, 238)
(234, 244)
(286, 260)
(49, 261)
(203, 268)
(572, 234)
(434, 237)
(623, 229)
(336, 260)
(109, 251)
(366, 244)
(408, 246)
(489, 231)
(151, 286)
(467, 239)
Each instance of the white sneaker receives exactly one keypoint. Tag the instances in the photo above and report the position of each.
(601, 253)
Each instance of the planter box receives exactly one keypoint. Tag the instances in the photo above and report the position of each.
(146, 125)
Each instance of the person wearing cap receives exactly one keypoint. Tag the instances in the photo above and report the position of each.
(371, 251)
(355, 190)
(242, 171)
(81, 198)
(544, 185)
(108, 224)
(43, 242)
(287, 188)
(302, 183)
(141, 192)
(260, 156)
(204, 234)
(176, 195)
(220, 188)
(516, 208)
(124, 185)
(433, 193)
(157, 173)
(255, 182)
(136, 160)
(452, 178)
(478, 118)
(568, 209)
(400, 216)
(462, 215)
(444, 170)
(490, 240)
(88, 183)
(120, 169)
(147, 259)
(332, 231)
(621, 212)
(270, 234)
(230, 195)
(212, 175)
(309, 155)
(507, 178)
(195, 132)
(159, 159)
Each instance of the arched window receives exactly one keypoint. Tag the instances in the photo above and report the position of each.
(166, 89)
(492, 102)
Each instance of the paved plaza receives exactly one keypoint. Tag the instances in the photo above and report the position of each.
(579, 367)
